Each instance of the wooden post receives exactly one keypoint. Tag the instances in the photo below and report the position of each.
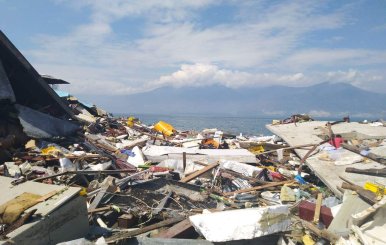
(184, 159)
(318, 207)
(175, 230)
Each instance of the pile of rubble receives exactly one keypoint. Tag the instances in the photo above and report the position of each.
(73, 174)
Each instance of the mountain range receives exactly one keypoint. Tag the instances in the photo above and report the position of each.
(325, 99)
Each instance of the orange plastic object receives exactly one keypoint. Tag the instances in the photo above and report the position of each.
(210, 142)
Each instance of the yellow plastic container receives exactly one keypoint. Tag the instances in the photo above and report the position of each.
(164, 128)
(130, 122)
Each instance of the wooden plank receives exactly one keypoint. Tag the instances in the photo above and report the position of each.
(366, 195)
(48, 195)
(199, 172)
(256, 188)
(122, 235)
(318, 207)
(184, 159)
(370, 171)
(98, 198)
(308, 154)
(95, 210)
(332, 237)
(108, 186)
(162, 204)
(175, 230)
(285, 148)
(87, 172)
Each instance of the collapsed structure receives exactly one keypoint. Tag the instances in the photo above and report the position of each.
(72, 174)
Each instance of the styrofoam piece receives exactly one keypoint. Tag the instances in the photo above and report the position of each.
(242, 224)
(178, 166)
(100, 166)
(241, 168)
(138, 159)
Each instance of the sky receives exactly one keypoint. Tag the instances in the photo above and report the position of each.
(121, 47)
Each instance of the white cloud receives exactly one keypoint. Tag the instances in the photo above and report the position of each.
(263, 46)
(367, 80)
(155, 10)
(207, 74)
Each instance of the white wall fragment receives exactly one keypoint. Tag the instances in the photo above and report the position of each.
(242, 224)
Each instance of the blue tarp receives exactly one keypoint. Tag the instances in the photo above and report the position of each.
(61, 93)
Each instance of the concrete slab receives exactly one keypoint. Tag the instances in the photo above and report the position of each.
(64, 216)
(328, 172)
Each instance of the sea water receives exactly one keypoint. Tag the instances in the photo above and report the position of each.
(229, 124)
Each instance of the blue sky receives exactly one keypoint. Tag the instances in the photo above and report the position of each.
(117, 47)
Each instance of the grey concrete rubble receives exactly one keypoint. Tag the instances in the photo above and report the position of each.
(71, 173)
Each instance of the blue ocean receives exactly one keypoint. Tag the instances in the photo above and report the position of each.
(230, 124)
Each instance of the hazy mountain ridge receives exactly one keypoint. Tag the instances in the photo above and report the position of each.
(327, 99)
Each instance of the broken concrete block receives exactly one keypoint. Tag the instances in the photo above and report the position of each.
(307, 210)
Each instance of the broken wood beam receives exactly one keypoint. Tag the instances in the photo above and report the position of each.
(155, 137)
(108, 186)
(184, 160)
(162, 204)
(285, 148)
(176, 230)
(86, 172)
(256, 188)
(370, 171)
(199, 172)
(318, 207)
(96, 210)
(308, 154)
(332, 237)
(122, 235)
(49, 195)
(368, 196)
(372, 156)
